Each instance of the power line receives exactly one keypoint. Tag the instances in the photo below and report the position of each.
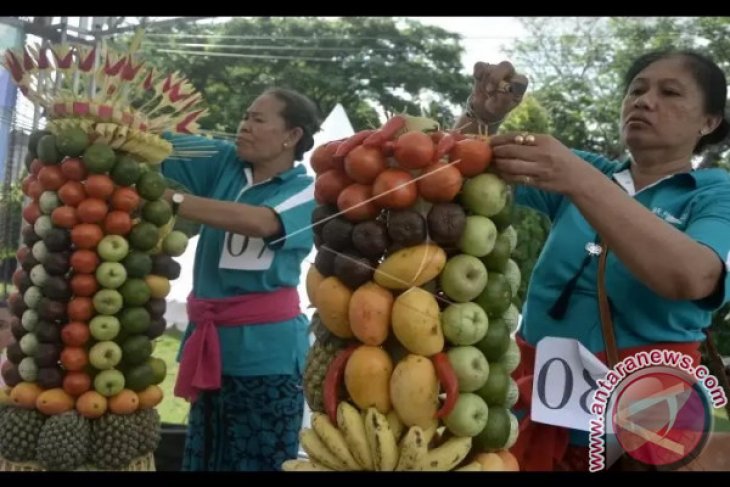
(264, 47)
(249, 56)
(310, 38)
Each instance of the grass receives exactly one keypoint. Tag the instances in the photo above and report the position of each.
(172, 410)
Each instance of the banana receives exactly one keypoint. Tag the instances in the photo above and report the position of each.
(430, 431)
(413, 448)
(471, 467)
(396, 425)
(383, 446)
(447, 456)
(333, 439)
(318, 451)
(351, 424)
(303, 466)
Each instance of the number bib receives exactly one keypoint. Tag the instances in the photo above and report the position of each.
(245, 253)
(564, 382)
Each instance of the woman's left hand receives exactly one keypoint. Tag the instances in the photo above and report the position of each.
(540, 161)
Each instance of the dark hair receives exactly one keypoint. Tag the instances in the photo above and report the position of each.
(710, 78)
(299, 111)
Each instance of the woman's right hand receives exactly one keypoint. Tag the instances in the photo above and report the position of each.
(497, 90)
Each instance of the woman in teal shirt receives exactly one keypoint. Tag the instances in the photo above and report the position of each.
(254, 204)
(667, 225)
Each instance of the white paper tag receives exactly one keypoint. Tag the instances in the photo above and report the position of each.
(566, 375)
(245, 253)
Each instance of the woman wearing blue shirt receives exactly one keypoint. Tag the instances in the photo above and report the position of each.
(666, 225)
(245, 348)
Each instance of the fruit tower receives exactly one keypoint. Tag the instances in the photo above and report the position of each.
(413, 286)
(96, 260)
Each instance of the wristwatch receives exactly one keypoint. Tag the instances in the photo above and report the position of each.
(177, 199)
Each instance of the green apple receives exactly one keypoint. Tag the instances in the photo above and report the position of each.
(470, 366)
(48, 202)
(30, 319)
(105, 355)
(28, 369)
(42, 226)
(108, 302)
(40, 251)
(464, 323)
(111, 275)
(104, 327)
(32, 297)
(175, 243)
(469, 416)
(29, 344)
(479, 236)
(113, 248)
(485, 194)
(38, 275)
(109, 382)
(463, 278)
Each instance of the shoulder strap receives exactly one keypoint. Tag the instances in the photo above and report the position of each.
(605, 309)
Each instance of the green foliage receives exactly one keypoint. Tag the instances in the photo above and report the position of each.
(369, 65)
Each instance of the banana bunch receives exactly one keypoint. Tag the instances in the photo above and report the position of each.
(372, 441)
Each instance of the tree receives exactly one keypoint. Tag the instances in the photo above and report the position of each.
(369, 65)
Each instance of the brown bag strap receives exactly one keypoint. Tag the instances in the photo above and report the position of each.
(605, 309)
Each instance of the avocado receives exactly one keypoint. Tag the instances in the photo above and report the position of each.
(166, 266)
(325, 261)
(57, 239)
(16, 328)
(24, 281)
(337, 234)
(370, 238)
(446, 222)
(29, 262)
(353, 270)
(50, 377)
(157, 328)
(29, 235)
(58, 263)
(320, 213)
(406, 227)
(16, 304)
(48, 354)
(52, 310)
(156, 307)
(15, 353)
(48, 332)
(10, 374)
(57, 287)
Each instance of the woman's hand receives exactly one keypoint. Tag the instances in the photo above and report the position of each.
(496, 91)
(540, 161)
